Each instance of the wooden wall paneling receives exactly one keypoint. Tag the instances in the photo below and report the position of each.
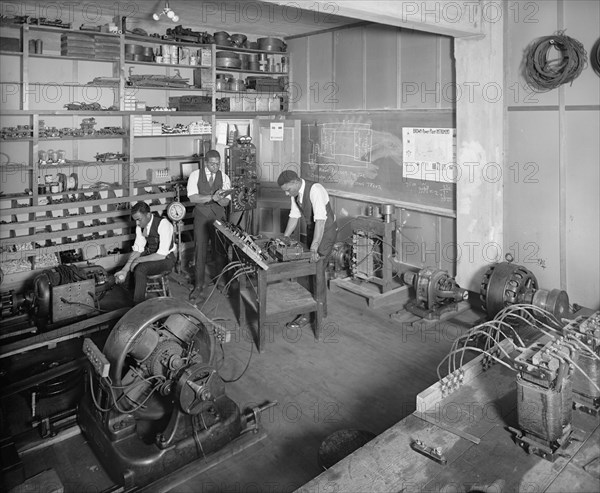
(583, 208)
(298, 73)
(531, 188)
(420, 242)
(273, 156)
(320, 90)
(419, 72)
(582, 24)
(449, 254)
(446, 76)
(381, 67)
(348, 85)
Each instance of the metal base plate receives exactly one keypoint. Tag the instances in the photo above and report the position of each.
(534, 445)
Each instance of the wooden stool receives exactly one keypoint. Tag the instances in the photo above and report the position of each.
(159, 284)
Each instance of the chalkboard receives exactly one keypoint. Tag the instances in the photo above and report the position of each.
(362, 153)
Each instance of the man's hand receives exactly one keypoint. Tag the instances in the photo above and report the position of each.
(314, 256)
(120, 277)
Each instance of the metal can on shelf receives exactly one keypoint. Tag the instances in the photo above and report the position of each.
(39, 46)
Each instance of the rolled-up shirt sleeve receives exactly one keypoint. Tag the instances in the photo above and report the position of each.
(192, 183)
(165, 233)
(140, 241)
(319, 199)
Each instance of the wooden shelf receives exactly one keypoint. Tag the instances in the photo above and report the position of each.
(242, 71)
(167, 65)
(83, 137)
(168, 88)
(84, 203)
(249, 50)
(74, 58)
(116, 240)
(168, 136)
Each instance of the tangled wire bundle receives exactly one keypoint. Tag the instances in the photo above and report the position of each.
(544, 73)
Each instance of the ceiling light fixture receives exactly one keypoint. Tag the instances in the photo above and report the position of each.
(168, 12)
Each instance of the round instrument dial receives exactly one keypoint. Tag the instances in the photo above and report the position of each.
(175, 211)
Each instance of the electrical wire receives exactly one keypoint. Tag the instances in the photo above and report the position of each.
(545, 73)
(245, 369)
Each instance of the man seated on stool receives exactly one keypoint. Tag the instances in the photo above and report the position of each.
(205, 188)
(153, 250)
(310, 207)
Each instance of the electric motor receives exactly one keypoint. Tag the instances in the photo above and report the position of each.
(506, 284)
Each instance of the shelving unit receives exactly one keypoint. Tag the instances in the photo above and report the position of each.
(93, 219)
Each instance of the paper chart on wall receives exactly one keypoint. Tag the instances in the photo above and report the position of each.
(429, 154)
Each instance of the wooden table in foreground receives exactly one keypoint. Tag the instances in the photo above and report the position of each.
(470, 427)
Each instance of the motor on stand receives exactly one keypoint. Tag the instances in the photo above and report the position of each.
(436, 292)
(154, 400)
(506, 284)
(338, 265)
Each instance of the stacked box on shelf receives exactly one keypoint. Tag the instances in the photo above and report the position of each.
(130, 102)
(200, 128)
(205, 57)
(142, 125)
(156, 128)
(76, 44)
(191, 103)
(107, 47)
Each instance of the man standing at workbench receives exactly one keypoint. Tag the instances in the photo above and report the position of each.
(206, 188)
(311, 208)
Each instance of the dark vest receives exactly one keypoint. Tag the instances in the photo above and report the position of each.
(204, 188)
(153, 238)
(308, 219)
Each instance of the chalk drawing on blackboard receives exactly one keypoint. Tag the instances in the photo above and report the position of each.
(349, 144)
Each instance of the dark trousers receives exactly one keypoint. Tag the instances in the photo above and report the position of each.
(204, 230)
(324, 250)
(145, 269)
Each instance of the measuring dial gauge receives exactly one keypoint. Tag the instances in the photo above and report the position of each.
(175, 211)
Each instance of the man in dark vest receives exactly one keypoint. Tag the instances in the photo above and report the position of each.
(153, 250)
(206, 188)
(310, 207)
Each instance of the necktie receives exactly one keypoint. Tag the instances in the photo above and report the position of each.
(299, 204)
(211, 180)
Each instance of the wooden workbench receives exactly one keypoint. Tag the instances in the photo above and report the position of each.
(478, 412)
(277, 296)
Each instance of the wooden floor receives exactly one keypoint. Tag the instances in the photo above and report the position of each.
(364, 374)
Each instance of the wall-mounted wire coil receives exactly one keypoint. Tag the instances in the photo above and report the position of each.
(544, 71)
(595, 57)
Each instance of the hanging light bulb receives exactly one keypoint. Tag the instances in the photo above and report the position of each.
(166, 11)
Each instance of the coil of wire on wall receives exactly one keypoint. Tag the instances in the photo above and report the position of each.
(595, 57)
(551, 61)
